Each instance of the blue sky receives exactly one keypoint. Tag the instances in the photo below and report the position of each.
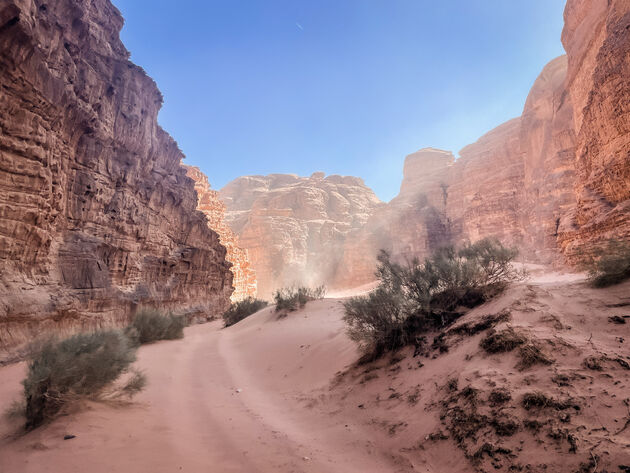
(341, 86)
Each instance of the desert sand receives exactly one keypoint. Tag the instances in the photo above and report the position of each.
(282, 394)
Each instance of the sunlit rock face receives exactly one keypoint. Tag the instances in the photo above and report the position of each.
(208, 202)
(97, 216)
(293, 227)
(485, 186)
(547, 141)
(596, 37)
(413, 224)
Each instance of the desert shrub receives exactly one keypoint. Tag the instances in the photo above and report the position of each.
(242, 309)
(150, 325)
(421, 296)
(499, 396)
(294, 298)
(502, 342)
(530, 355)
(610, 264)
(81, 365)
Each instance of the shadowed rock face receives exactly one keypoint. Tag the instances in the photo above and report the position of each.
(293, 227)
(208, 202)
(96, 214)
(596, 37)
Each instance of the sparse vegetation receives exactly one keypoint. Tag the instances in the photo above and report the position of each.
(530, 355)
(81, 365)
(499, 396)
(415, 298)
(292, 298)
(151, 325)
(242, 309)
(503, 341)
(610, 264)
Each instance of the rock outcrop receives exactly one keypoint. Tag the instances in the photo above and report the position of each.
(96, 214)
(596, 37)
(208, 202)
(293, 227)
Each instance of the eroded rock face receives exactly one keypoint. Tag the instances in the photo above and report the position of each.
(596, 37)
(294, 227)
(208, 202)
(96, 214)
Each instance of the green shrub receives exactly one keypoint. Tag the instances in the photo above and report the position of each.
(150, 325)
(242, 309)
(291, 299)
(81, 365)
(610, 264)
(422, 296)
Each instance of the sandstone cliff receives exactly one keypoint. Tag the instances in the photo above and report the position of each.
(596, 37)
(294, 227)
(96, 214)
(208, 202)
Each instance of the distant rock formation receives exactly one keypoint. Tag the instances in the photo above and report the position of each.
(555, 182)
(97, 216)
(293, 227)
(210, 204)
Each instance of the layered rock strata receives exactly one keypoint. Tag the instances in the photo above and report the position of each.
(294, 228)
(97, 216)
(208, 202)
(596, 37)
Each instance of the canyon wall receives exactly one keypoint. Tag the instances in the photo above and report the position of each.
(596, 37)
(97, 217)
(293, 227)
(208, 202)
(554, 182)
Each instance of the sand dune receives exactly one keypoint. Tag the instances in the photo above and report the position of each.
(274, 394)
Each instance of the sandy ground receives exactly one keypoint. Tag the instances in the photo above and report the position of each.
(220, 400)
(274, 394)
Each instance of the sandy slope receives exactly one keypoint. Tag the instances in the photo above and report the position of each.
(258, 397)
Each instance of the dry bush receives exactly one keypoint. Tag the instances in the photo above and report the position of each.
(150, 325)
(81, 365)
(294, 298)
(503, 341)
(415, 298)
(610, 264)
(530, 355)
(243, 309)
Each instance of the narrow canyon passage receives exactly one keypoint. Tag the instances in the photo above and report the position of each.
(215, 404)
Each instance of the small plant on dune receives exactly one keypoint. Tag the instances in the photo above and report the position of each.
(610, 264)
(242, 309)
(82, 365)
(294, 298)
(150, 325)
(422, 296)
(502, 342)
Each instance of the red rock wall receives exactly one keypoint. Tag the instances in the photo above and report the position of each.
(96, 214)
(210, 204)
(596, 37)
